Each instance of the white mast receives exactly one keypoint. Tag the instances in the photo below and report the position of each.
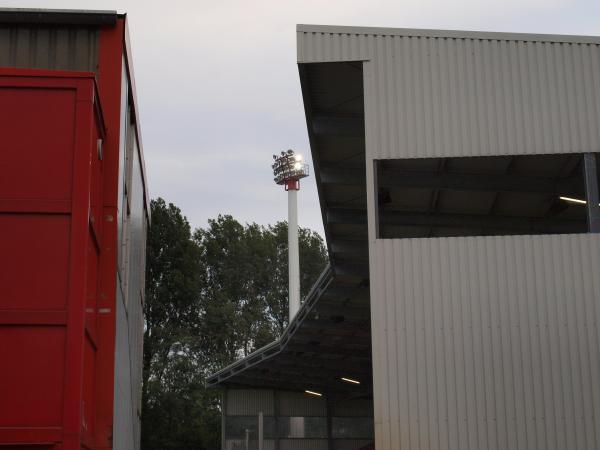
(288, 169)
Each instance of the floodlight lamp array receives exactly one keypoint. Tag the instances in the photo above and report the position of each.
(288, 167)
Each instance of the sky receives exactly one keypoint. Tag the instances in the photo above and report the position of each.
(219, 93)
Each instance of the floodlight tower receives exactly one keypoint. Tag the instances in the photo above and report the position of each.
(288, 169)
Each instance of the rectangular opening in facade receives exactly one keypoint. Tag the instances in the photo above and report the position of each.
(484, 196)
(286, 420)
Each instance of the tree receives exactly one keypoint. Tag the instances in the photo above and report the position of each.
(211, 298)
(313, 258)
(245, 283)
(177, 412)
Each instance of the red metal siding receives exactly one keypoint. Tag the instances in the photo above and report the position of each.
(50, 242)
(109, 80)
(58, 252)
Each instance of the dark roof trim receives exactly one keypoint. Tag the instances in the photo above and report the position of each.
(25, 16)
(274, 348)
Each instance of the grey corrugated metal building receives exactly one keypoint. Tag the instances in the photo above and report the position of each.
(457, 178)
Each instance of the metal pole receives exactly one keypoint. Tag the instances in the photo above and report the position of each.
(293, 254)
(223, 419)
(591, 191)
(261, 436)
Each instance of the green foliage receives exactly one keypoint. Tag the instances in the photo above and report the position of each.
(212, 296)
(177, 410)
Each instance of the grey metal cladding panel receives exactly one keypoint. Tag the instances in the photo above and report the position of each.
(240, 444)
(332, 47)
(435, 96)
(303, 444)
(300, 404)
(249, 402)
(349, 444)
(135, 311)
(487, 342)
(123, 424)
(352, 408)
(44, 47)
(129, 346)
(464, 97)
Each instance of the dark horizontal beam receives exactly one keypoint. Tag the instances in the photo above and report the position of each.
(480, 182)
(292, 383)
(352, 247)
(351, 269)
(341, 313)
(455, 181)
(346, 292)
(24, 16)
(325, 336)
(325, 323)
(323, 370)
(340, 175)
(262, 380)
(358, 351)
(338, 126)
(507, 223)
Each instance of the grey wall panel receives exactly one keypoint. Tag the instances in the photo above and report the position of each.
(249, 402)
(352, 408)
(240, 444)
(123, 420)
(303, 444)
(487, 342)
(61, 48)
(349, 444)
(130, 304)
(432, 96)
(332, 47)
(301, 404)
(135, 304)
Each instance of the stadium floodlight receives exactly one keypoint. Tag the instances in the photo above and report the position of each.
(288, 170)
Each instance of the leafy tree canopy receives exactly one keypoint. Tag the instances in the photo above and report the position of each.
(212, 296)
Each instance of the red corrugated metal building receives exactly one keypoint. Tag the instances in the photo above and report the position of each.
(73, 220)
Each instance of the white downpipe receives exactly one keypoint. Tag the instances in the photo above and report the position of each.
(293, 254)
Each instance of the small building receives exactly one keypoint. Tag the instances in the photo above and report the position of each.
(73, 220)
(458, 182)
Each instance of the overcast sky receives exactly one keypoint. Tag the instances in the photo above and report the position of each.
(218, 87)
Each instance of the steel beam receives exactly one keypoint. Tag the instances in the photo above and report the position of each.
(324, 125)
(352, 269)
(591, 189)
(353, 247)
(506, 223)
(455, 181)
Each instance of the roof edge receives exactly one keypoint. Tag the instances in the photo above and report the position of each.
(33, 16)
(275, 347)
(453, 34)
